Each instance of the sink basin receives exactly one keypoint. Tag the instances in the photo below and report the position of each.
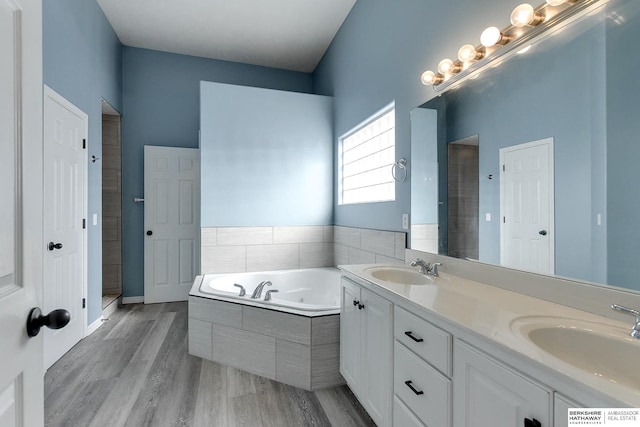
(601, 350)
(399, 275)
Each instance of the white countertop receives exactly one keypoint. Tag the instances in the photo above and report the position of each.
(492, 312)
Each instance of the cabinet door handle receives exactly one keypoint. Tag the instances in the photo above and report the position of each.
(531, 422)
(410, 335)
(413, 389)
(360, 306)
(355, 302)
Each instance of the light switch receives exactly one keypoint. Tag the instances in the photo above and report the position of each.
(95, 219)
(405, 221)
(487, 216)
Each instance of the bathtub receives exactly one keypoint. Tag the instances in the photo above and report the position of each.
(293, 339)
(310, 292)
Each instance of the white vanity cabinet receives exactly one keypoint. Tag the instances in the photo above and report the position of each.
(487, 393)
(422, 370)
(366, 349)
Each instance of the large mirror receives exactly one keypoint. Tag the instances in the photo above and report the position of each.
(535, 164)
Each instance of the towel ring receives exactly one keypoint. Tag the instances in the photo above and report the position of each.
(402, 164)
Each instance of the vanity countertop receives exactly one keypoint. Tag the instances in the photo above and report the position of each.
(493, 312)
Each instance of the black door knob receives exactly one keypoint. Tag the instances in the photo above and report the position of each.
(55, 320)
(149, 232)
(53, 246)
(542, 232)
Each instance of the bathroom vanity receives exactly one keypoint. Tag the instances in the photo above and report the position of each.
(419, 350)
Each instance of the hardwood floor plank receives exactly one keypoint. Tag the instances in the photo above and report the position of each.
(342, 408)
(211, 401)
(135, 370)
(118, 404)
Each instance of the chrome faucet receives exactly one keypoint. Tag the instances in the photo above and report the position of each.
(242, 291)
(267, 295)
(257, 292)
(423, 267)
(433, 269)
(635, 330)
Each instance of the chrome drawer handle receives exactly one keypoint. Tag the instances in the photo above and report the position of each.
(413, 389)
(410, 335)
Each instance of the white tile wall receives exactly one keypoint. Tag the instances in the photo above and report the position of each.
(424, 237)
(240, 249)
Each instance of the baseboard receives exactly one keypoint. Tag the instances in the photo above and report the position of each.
(132, 300)
(94, 326)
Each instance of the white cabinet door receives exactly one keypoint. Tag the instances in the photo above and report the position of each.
(489, 394)
(376, 346)
(350, 335)
(366, 348)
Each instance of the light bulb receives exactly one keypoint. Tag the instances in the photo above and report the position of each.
(490, 36)
(524, 14)
(469, 53)
(445, 66)
(431, 78)
(556, 2)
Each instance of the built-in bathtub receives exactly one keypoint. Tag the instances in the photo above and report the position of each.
(294, 338)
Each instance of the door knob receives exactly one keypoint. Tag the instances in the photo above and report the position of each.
(53, 246)
(542, 232)
(55, 320)
(149, 232)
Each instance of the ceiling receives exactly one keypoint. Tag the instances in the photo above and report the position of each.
(287, 34)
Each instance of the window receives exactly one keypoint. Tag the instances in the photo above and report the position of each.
(367, 154)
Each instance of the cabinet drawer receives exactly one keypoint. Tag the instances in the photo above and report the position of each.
(402, 416)
(426, 340)
(423, 389)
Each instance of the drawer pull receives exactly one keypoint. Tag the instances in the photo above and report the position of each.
(410, 335)
(413, 389)
(532, 423)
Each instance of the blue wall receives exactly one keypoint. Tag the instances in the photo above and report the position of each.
(623, 150)
(162, 107)
(378, 56)
(266, 157)
(83, 62)
(424, 171)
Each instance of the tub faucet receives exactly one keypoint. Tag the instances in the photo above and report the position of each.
(635, 330)
(423, 267)
(267, 295)
(258, 290)
(242, 291)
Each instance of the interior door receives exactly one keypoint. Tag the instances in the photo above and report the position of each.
(65, 167)
(526, 206)
(171, 222)
(21, 251)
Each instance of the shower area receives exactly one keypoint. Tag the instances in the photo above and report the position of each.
(111, 209)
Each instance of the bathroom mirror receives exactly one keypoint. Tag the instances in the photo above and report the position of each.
(573, 97)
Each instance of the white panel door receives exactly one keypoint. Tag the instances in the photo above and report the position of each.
(21, 237)
(171, 222)
(65, 167)
(526, 207)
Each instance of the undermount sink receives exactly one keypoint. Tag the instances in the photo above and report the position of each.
(601, 350)
(399, 275)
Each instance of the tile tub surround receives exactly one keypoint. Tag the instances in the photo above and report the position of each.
(296, 350)
(245, 249)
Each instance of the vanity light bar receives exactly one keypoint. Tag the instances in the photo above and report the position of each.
(527, 23)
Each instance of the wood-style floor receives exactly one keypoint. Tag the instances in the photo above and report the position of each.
(135, 371)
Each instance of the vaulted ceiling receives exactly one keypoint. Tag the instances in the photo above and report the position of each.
(287, 34)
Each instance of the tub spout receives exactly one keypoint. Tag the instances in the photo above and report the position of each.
(258, 290)
(267, 295)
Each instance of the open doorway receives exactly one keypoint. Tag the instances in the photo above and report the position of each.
(111, 208)
(463, 198)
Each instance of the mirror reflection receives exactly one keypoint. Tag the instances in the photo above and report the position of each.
(534, 164)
